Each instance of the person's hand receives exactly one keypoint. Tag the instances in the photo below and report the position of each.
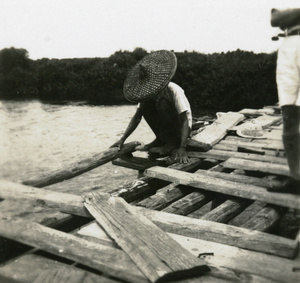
(118, 144)
(181, 155)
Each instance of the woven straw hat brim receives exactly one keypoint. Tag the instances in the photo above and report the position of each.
(150, 76)
(241, 134)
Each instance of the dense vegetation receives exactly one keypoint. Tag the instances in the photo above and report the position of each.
(226, 81)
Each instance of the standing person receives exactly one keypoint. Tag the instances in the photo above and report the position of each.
(162, 103)
(288, 85)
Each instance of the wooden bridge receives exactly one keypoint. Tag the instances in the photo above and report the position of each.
(210, 220)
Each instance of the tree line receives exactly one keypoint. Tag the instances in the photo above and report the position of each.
(218, 81)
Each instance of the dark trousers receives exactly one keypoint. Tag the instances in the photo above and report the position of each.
(163, 119)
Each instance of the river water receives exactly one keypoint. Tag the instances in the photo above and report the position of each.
(37, 138)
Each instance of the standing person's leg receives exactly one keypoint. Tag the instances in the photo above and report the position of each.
(288, 85)
(291, 138)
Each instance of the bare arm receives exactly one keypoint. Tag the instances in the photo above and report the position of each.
(134, 122)
(285, 18)
(185, 131)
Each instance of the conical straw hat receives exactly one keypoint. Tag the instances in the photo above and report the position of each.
(150, 75)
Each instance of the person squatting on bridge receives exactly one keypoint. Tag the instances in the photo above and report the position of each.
(162, 103)
(288, 86)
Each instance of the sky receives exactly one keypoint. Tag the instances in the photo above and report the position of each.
(99, 28)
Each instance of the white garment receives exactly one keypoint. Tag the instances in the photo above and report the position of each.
(288, 71)
(175, 95)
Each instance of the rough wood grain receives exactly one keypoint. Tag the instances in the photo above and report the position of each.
(147, 186)
(207, 230)
(105, 259)
(189, 203)
(265, 219)
(224, 155)
(137, 163)
(164, 197)
(258, 166)
(235, 148)
(213, 133)
(28, 268)
(81, 167)
(156, 254)
(202, 181)
(230, 263)
(261, 144)
(248, 213)
(261, 182)
(226, 211)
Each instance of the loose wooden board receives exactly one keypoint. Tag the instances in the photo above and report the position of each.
(229, 263)
(202, 181)
(258, 166)
(207, 230)
(156, 254)
(224, 155)
(31, 267)
(213, 133)
(80, 167)
(108, 260)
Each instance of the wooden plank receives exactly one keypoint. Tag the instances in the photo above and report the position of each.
(247, 214)
(229, 263)
(137, 163)
(213, 133)
(267, 120)
(189, 203)
(156, 254)
(257, 166)
(235, 148)
(224, 155)
(264, 220)
(164, 197)
(256, 112)
(202, 181)
(261, 144)
(207, 230)
(260, 182)
(81, 167)
(211, 205)
(105, 259)
(226, 211)
(169, 194)
(28, 268)
(147, 186)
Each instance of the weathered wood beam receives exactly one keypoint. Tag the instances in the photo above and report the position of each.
(189, 203)
(137, 163)
(226, 211)
(226, 262)
(164, 197)
(261, 182)
(155, 253)
(31, 267)
(81, 167)
(235, 148)
(258, 166)
(237, 189)
(247, 214)
(265, 219)
(261, 144)
(207, 230)
(213, 133)
(147, 186)
(224, 155)
(108, 260)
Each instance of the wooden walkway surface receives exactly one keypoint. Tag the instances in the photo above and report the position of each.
(212, 218)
